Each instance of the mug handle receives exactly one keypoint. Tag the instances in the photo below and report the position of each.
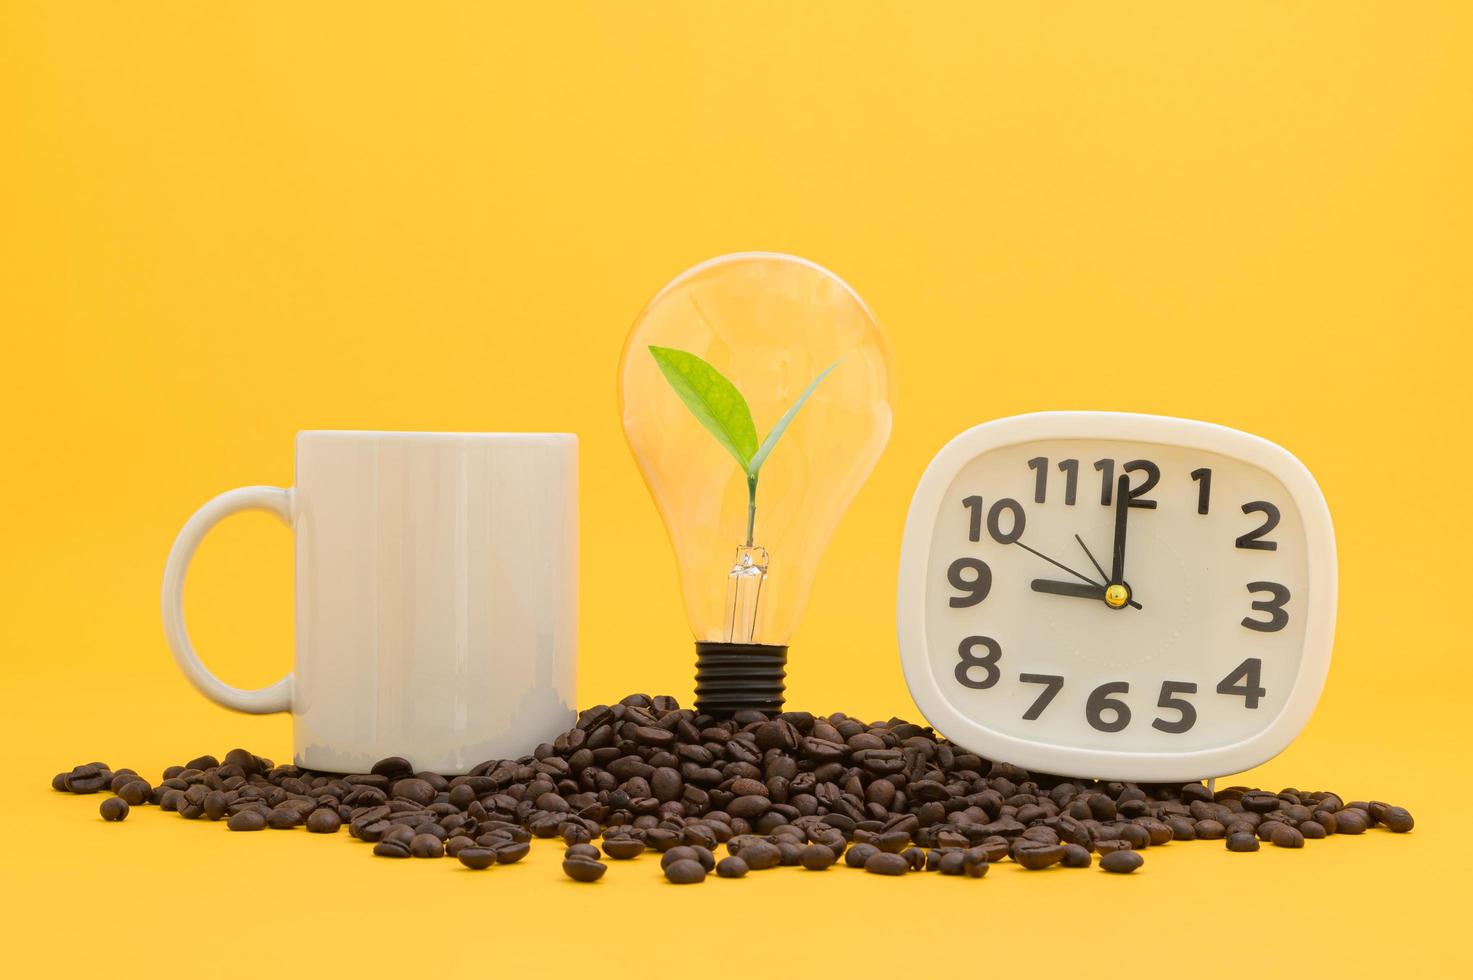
(263, 701)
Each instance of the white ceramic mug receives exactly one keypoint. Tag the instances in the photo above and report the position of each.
(436, 596)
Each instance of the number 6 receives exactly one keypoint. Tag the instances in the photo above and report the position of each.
(1100, 700)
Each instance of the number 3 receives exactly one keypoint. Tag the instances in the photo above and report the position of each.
(1277, 617)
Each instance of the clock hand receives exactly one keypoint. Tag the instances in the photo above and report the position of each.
(1056, 564)
(1091, 558)
(1068, 588)
(1130, 602)
(1122, 509)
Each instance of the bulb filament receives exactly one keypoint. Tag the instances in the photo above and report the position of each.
(743, 590)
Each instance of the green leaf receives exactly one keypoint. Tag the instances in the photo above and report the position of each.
(712, 399)
(782, 424)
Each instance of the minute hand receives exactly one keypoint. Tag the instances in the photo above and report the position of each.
(1122, 510)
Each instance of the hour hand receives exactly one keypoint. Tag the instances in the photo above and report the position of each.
(1080, 589)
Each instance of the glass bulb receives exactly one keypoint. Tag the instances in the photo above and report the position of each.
(748, 545)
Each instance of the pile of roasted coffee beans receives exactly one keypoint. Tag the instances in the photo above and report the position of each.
(800, 790)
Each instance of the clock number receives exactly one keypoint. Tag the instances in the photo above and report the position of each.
(970, 660)
(1243, 682)
(1052, 684)
(1153, 477)
(1100, 701)
(1181, 705)
(1270, 521)
(1039, 464)
(1277, 618)
(973, 590)
(1106, 468)
(994, 521)
(1070, 469)
(1107, 479)
(1203, 477)
(974, 504)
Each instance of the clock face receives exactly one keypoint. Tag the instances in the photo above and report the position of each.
(1117, 596)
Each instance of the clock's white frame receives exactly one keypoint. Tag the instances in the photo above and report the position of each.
(1318, 606)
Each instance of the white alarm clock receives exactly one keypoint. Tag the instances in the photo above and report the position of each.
(1117, 596)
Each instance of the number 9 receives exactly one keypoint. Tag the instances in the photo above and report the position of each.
(975, 589)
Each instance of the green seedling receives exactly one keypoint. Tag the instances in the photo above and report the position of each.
(717, 405)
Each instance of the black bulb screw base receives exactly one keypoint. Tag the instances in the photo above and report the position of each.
(732, 677)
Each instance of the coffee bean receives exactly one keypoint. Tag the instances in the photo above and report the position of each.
(415, 791)
(1181, 828)
(281, 818)
(135, 792)
(114, 808)
(1313, 830)
(685, 872)
(658, 737)
(731, 867)
(1209, 830)
(476, 858)
(623, 848)
(1242, 841)
(587, 851)
(426, 846)
(588, 870)
(817, 857)
(886, 863)
(683, 852)
(1398, 820)
(761, 855)
(661, 839)
(392, 768)
(1286, 836)
(83, 785)
(1138, 837)
(511, 852)
(894, 842)
(324, 820)
(948, 862)
(1122, 862)
(1265, 830)
(1353, 822)
(374, 831)
(216, 804)
(857, 855)
(247, 820)
(1260, 802)
(1076, 856)
(1037, 856)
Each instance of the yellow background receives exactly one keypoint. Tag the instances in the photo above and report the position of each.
(220, 224)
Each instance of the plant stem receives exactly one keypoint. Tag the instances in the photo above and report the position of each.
(751, 506)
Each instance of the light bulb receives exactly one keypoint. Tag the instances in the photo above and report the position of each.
(750, 505)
